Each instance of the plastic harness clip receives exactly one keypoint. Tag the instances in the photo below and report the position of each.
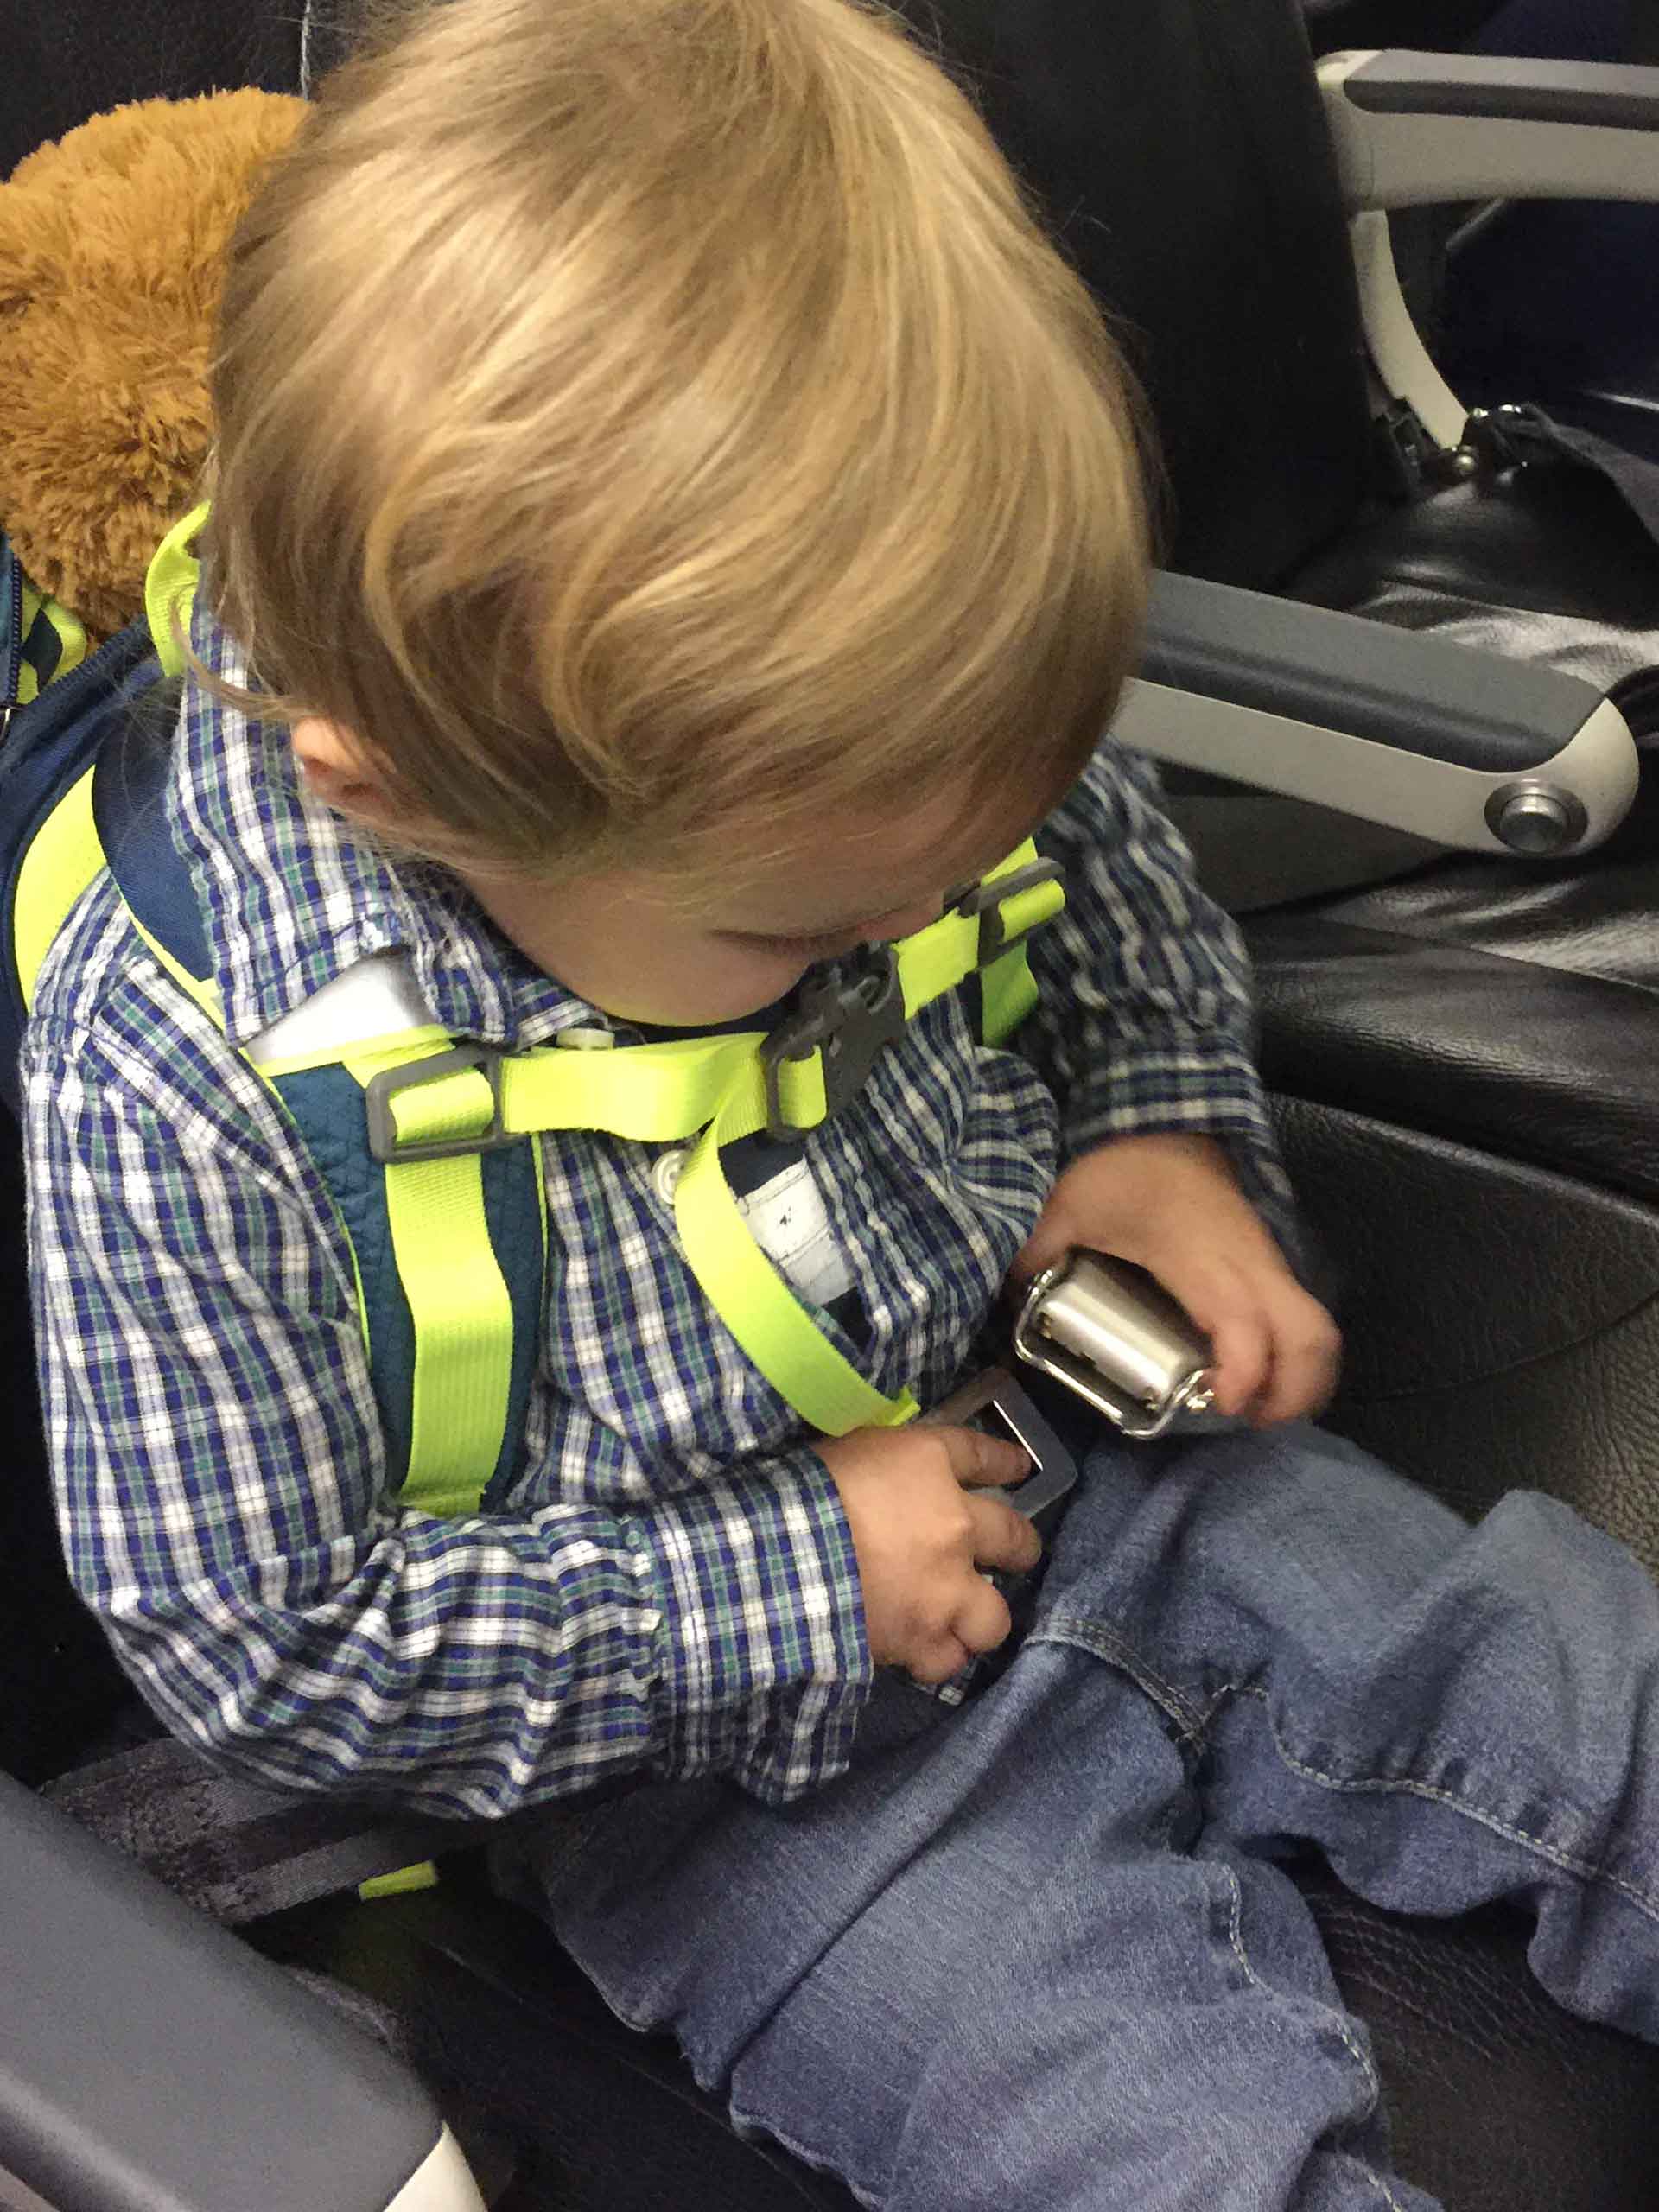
(991, 894)
(386, 1145)
(850, 1019)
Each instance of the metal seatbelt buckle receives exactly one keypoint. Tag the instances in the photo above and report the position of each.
(1110, 1333)
(850, 1019)
(995, 1401)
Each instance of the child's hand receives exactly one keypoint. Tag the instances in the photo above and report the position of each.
(922, 1536)
(1170, 1204)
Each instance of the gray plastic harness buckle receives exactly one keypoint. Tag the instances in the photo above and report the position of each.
(986, 898)
(384, 1143)
(849, 1019)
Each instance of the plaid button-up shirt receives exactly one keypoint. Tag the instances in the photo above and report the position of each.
(668, 1585)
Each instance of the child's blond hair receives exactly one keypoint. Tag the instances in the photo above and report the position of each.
(651, 425)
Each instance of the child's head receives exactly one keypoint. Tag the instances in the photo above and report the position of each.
(652, 430)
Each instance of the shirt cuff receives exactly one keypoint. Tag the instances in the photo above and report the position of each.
(765, 1663)
(1196, 1086)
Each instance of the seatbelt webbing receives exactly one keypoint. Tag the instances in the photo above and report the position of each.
(237, 1849)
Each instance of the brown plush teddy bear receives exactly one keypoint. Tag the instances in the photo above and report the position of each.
(113, 240)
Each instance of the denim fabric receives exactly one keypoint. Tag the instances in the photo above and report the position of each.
(1035, 1951)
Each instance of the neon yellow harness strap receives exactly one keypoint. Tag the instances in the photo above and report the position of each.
(62, 860)
(664, 1093)
(754, 1300)
(170, 589)
(651, 1093)
(462, 1315)
(458, 1304)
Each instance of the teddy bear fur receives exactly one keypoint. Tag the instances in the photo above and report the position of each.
(112, 242)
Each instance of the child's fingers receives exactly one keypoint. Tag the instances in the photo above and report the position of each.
(1002, 1537)
(977, 1459)
(1243, 1347)
(945, 1655)
(983, 1620)
(1307, 1356)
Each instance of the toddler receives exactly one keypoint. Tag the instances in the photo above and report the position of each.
(677, 522)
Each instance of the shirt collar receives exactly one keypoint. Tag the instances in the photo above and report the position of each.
(291, 896)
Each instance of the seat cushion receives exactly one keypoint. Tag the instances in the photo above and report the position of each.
(1498, 2098)
(1464, 1062)
(1543, 564)
(1499, 2102)
(1511, 1006)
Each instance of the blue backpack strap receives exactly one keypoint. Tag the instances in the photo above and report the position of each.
(326, 1106)
(130, 808)
(50, 745)
(40, 639)
(11, 627)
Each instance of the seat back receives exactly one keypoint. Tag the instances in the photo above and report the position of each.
(67, 63)
(1179, 150)
(1178, 147)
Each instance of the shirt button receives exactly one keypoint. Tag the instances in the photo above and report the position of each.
(666, 1170)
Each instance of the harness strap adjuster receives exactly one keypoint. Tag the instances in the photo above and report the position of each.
(848, 1020)
(987, 897)
(384, 1143)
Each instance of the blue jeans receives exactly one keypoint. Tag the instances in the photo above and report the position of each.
(1035, 1952)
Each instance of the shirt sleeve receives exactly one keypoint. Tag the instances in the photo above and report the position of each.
(221, 1490)
(1145, 1019)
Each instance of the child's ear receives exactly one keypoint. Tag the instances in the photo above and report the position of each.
(336, 769)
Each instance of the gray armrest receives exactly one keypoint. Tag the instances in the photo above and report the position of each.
(1418, 127)
(1462, 748)
(150, 2063)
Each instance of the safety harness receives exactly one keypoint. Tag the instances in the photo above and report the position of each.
(426, 1141)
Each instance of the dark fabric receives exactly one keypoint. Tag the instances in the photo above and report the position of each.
(500, 2022)
(67, 63)
(235, 1849)
(1554, 301)
(58, 1681)
(1528, 434)
(1440, 25)
(1182, 153)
